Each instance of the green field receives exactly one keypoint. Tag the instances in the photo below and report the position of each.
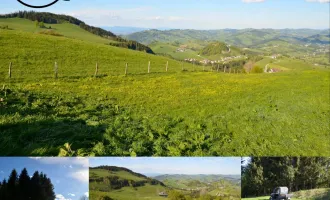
(127, 193)
(172, 113)
(314, 194)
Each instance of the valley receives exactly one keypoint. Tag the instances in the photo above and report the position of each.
(109, 182)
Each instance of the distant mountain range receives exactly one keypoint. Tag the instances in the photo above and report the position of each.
(241, 38)
(126, 30)
(200, 177)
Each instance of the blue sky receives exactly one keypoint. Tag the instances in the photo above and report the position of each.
(68, 175)
(193, 14)
(176, 165)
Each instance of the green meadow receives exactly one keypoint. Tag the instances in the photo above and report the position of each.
(175, 113)
(108, 186)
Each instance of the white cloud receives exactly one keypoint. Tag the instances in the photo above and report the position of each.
(253, 1)
(79, 161)
(70, 194)
(70, 166)
(319, 1)
(86, 194)
(61, 197)
(81, 175)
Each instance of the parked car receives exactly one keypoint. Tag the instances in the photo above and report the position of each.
(280, 193)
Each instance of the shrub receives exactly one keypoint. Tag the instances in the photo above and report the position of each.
(105, 198)
(256, 69)
(50, 32)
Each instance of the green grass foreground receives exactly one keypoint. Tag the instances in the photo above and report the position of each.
(161, 114)
(314, 194)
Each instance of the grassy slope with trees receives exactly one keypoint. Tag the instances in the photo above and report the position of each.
(108, 182)
(300, 43)
(122, 184)
(300, 175)
(68, 26)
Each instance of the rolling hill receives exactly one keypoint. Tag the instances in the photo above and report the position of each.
(67, 26)
(310, 45)
(240, 38)
(121, 183)
(226, 185)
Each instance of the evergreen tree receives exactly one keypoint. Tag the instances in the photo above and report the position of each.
(3, 190)
(24, 185)
(12, 188)
(35, 186)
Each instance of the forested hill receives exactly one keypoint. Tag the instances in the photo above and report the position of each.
(238, 37)
(51, 18)
(117, 169)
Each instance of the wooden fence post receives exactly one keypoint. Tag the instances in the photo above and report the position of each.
(218, 68)
(229, 70)
(126, 68)
(204, 68)
(96, 69)
(166, 66)
(56, 70)
(194, 65)
(149, 67)
(9, 72)
(224, 69)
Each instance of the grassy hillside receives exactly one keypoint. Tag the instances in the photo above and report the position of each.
(66, 29)
(215, 48)
(121, 184)
(171, 50)
(314, 194)
(214, 185)
(307, 44)
(171, 114)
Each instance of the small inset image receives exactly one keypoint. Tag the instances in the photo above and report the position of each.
(165, 178)
(285, 178)
(43, 178)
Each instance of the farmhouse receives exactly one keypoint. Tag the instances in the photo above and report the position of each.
(205, 61)
(163, 194)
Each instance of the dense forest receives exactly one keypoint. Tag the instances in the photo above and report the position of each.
(51, 18)
(262, 174)
(22, 187)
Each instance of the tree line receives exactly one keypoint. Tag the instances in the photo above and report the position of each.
(22, 187)
(50, 18)
(262, 174)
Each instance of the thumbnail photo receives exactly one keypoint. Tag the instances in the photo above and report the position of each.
(165, 178)
(43, 178)
(285, 178)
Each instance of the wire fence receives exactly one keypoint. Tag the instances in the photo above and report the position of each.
(66, 68)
